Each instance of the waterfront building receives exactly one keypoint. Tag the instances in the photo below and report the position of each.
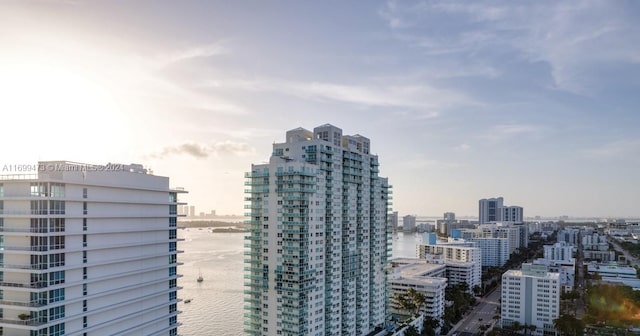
(494, 210)
(425, 278)
(531, 296)
(409, 223)
(88, 250)
(463, 261)
(394, 221)
(511, 213)
(318, 237)
(489, 210)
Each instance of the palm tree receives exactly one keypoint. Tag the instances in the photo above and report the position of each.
(411, 301)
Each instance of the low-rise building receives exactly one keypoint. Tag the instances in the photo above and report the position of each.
(463, 263)
(531, 296)
(425, 278)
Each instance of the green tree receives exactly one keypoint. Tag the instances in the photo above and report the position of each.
(411, 331)
(411, 301)
(429, 325)
(568, 325)
(477, 290)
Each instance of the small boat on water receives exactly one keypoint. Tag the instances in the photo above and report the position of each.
(200, 278)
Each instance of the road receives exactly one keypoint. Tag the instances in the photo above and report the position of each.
(481, 314)
(633, 260)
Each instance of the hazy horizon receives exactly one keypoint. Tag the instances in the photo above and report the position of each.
(532, 101)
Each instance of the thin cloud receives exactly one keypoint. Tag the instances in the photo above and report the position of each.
(574, 39)
(201, 51)
(504, 132)
(462, 147)
(201, 151)
(418, 97)
(422, 163)
(620, 149)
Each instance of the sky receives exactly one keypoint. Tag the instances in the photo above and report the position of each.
(535, 101)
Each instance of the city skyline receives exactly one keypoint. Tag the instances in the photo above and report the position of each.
(533, 102)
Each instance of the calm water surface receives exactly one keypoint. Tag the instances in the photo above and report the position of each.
(216, 306)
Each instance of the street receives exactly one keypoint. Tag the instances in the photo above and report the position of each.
(481, 314)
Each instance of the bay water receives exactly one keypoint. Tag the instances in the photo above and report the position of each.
(215, 305)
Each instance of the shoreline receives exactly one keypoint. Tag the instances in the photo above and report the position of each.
(213, 226)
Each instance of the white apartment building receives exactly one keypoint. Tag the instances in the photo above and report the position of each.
(425, 278)
(490, 210)
(560, 251)
(409, 223)
(511, 213)
(559, 259)
(569, 235)
(318, 237)
(512, 234)
(531, 296)
(463, 263)
(494, 210)
(88, 250)
(494, 251)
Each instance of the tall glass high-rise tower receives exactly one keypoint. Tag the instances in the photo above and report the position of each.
(318, 237)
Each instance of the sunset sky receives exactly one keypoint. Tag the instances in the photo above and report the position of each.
(535, 101)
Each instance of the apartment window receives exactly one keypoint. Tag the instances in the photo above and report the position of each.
(84, 224)
(56, 224)
(172, 283)
(84, 305)
(84, 240)
(173, 221)
(173, 234)
(173, 320)
(39, 189)
(56, 295)
(173, 197)
(84, 273)
(84, 321)
(57, 190)
(56, 207)
(173, 209)
(56, 313)
(173, 332)
(172, 270)
(173, 308)
(84, 208)
(56, 330)
(39, 207)
(56, 242)
(173, 259)
(84, 257)
(56, 260)
(56, 278)
(84, 289)
(173, 296)
(84, 192)
(39, 243)
(172, 246)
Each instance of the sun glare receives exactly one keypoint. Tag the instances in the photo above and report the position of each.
(46, 105)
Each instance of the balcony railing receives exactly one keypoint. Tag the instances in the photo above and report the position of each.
(24, 304)
(28, 322)
(39, 284)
